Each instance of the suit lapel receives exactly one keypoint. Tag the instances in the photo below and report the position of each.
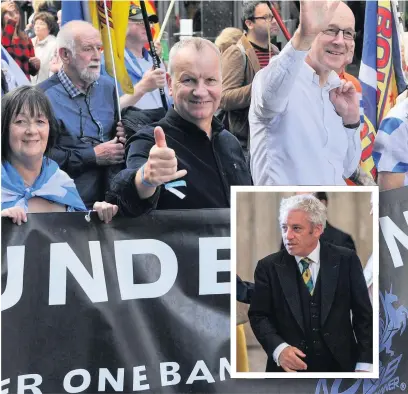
(329, 271)
(287, 274)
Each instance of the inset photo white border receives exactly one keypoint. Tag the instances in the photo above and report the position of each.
(290, 375)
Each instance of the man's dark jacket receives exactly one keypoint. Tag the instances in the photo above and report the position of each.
(277, 314)
(213, 166)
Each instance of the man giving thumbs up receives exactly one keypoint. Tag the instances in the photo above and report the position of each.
(187, 160)
(161, 167)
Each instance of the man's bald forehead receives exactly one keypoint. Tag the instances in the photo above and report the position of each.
(343, 16)
(184, 52)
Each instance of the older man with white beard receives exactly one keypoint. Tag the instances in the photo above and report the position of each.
(84, 104)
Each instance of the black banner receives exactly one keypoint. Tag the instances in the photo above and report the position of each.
(143, 305)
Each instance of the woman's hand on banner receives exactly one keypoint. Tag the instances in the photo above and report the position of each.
(105, 210)
(16, 214)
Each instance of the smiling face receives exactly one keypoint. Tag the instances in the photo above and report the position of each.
(28, 137)
(299, 234)
(195, 84)
(332, 52)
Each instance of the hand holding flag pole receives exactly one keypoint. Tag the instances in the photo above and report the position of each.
(156, 60)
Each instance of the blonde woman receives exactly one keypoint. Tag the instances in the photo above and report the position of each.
(228, 37)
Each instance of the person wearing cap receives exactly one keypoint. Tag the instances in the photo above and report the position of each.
(139, 65)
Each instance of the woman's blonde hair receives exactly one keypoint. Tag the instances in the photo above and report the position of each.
(228, 37)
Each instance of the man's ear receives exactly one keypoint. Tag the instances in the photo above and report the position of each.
(249, 24)
(64, 54)
(169, 80)
(318, 230)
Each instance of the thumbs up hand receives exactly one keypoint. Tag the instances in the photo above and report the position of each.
(161, 166)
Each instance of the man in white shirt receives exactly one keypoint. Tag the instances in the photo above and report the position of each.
(304, 121)
(300, 308)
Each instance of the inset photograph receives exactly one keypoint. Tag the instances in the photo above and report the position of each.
(305, 300)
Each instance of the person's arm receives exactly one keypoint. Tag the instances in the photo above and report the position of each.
(244, 290)
(390, 180)
(72, 155)
(122, 189)
(353, 155)
(272, 85)
(152, 79)
(263, 322)
(234, 95)
(362, 314)
(261, 311)
(34, 63)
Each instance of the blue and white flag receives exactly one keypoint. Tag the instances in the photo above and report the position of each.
(52, 184)
(13, 73)
(391, 144)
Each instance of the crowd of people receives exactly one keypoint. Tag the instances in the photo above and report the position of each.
(240, 112)
(289, 117)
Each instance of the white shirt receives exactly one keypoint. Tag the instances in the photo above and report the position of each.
(297, 138)
(44, 50)
(314, 268)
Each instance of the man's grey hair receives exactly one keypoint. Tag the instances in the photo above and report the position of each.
(248, 11)
(68, 33)
(196, 42)
(315, 209)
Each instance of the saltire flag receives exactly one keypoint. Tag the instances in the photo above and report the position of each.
(381, 75)
(118, 13)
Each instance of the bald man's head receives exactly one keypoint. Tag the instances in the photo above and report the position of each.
(331, 48)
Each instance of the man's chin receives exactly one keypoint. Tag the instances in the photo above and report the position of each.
(91, 77)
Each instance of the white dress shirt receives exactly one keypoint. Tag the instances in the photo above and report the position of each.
(297, 138)
(314, 269)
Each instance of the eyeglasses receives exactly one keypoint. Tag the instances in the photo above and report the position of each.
(141, 22)
(334, 31)
(266, 18)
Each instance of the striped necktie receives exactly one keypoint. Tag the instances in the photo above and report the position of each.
(307, 274)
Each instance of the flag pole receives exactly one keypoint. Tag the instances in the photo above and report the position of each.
(113, 58)
(166, 18)
(156, 60)
(280, 22)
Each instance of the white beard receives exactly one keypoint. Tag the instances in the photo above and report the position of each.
(89, 76)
